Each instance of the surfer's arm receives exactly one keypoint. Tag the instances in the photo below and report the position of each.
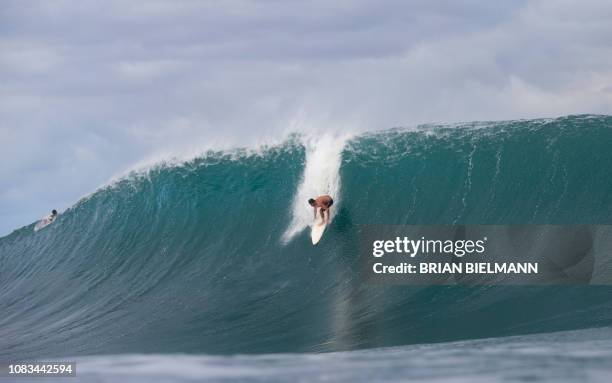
(328, 210)
(315, 212)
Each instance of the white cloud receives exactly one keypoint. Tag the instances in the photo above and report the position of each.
(147, 69)
(26, 58)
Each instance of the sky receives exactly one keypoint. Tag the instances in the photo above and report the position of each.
(91, 89)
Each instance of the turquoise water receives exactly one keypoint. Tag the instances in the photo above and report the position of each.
(212, 256)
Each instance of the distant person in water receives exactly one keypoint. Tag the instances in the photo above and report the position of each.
(323, 204)
(46, 221)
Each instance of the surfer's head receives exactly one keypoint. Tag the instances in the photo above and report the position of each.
(311, 202)
(54, 212)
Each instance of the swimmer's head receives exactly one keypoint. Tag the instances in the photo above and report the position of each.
(311, 202)
(54, 212)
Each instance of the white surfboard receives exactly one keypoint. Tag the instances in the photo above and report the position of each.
(316, 231)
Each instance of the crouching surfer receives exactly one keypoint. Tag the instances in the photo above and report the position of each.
(323, 205)
(46, 221)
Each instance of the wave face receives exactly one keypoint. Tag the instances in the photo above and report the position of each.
(214, 256)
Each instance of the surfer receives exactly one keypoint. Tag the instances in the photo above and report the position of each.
(322, 203)
(51, 217)
(46, 221)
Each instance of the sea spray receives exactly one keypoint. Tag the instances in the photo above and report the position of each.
(321, 176)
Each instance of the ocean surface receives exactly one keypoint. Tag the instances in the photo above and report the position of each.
(208, 263)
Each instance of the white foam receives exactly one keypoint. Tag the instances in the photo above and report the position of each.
(321, 176)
